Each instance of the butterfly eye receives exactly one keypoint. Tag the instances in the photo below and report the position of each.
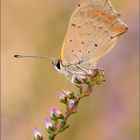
(58, 65)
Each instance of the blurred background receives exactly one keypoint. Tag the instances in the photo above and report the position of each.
(29, 87)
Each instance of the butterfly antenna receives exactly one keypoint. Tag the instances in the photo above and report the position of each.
(32, 56)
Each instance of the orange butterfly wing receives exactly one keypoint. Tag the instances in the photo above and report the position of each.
(93, 31)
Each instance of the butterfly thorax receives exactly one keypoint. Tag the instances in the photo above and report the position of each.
(74, 72)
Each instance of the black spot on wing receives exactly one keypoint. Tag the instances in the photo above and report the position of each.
(78, 5)
(79, 26)
(74, 25)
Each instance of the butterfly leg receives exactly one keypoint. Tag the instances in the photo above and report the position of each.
(83, 69)
(75, 81)
(87, 71)
(73, 78)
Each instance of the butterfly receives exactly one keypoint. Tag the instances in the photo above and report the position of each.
(93, 30)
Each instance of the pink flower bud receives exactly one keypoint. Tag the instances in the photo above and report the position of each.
(72, 106)
(67, 92)
(62, 97)
(56, 114)
(37, 134)
(48, 124)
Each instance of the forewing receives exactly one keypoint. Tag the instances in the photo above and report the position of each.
(93, 30)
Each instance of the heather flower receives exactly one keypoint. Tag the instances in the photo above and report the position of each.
(85, 91)
(68, 93)
(37, 134)
(56, 114)
(62, 97)
(59, 122)
(49, 125)
(72, 106)
(71, 103)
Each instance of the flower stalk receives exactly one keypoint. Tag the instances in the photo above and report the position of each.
(58, 121)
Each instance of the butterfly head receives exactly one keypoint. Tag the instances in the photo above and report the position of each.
(58, 65)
